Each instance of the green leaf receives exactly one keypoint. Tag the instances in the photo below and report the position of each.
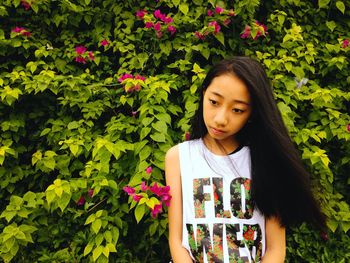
(139, 212)
(184, 8)
(64, 201)
(340, 5)
(50, 196)
(97, 252)
(111, 247)
(88, 248)
(158, 137)
(323, 3)
(90, 219)
(96, 225)
(220, 36)
(331, 25)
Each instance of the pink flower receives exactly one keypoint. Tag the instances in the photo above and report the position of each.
(141, 13)
(18, 29)
(144, 187)
(172, 30)
(246, 32)
(25, 5)
(80, 59)
(199, 35)
(91, 55)
(231, 12)
(227, 21)
(324, 236)
(209, 12)
(166, 198)
(129, 190)
(348, 127)
(90, 192)
(25, 33)
(133, 114)
(149, 169)
(187, 136)
(148, 25)
(104, 42)
(80, 50)
(157, 26)
(159, 15)
(216, 26)
(81, 201)
(156, 210)
(345, 43)
(168, 20)
(140, 77)
(125, 76)
(137, 197)
(218, 10)
(159, 34)
(157, 190)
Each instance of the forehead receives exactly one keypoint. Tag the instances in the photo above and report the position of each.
(230, 88)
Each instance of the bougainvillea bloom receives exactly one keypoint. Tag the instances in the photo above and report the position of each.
(18, 29)
(231, 12)
(216, 26)
(91, 55)
(218, 10)
(324, 236)
(148, 25)
(137, 197)
(144, 186)
(140, 77)
(149, 169)
(168, 20)
(25, 5)
(90, 192)
(246, 32)
(156, 210)
(129, 190)
(227, 21)
(345, 43)
(141, 13)
(199, 35)
(125, 76)
(348, 127)
(81, 201)
(80, 50)
(159, 15)
(104, 42)
(172, 30)
(187, 136)
(80, 59)
(210, 13)
(157, 26)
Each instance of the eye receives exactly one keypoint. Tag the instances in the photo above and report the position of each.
(213, 102)
(238, 111)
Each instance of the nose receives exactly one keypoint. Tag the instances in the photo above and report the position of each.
(221, 118)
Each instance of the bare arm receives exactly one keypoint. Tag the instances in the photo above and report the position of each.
(173, 179)
(275, 241)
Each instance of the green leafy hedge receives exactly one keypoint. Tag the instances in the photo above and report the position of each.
(93, 93)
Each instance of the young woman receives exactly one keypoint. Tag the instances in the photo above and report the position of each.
(239, 181)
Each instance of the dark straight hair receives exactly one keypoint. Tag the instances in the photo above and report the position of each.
(280, 184)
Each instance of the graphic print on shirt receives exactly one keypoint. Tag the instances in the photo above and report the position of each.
(203, 240)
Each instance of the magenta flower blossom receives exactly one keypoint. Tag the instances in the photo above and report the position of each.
(348, 127)
(166, 199)
(125, 76)
(25, 33)
(129, 190)
(141, 13)
(104, 42)
(137, 197)
(187, 136)
(209, 12)
(157, 27)
(168, 20)
(25, 5)
(148, 25)
(246, 32)
(149, 169)
(80, 59)
(140, 77)
(199, 35)
(18, 29)
(156, 210)
(219, 10)
(159, 34)
(231, 12)
(227, 21)
(216, 26)
(144, 187)
(345, 43)
(91, 55)
(80, 50)
(90, 192)
(172, 30)
(159, 15)
(81, 201)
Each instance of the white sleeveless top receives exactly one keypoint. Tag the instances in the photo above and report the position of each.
(219, 223)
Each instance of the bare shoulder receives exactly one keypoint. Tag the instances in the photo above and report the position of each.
(172, 154)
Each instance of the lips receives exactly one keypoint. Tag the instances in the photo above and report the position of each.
(217, 131)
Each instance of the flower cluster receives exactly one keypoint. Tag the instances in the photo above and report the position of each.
(82, 55)
(348, 127)
(25, 4)
(104, 42)
(221, 15)
(345, 43)
(21, 31)
(158, 193)
(255, 31)
(134, 85)
(82, 199)
(159, 22)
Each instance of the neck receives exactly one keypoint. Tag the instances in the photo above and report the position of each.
(220, 147)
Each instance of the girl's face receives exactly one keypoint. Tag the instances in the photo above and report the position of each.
(226, 109)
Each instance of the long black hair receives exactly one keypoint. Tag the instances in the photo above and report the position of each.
(280, 184)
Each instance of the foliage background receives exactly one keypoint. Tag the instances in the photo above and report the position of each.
(72, 136)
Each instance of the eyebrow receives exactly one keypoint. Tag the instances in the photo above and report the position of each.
(237, 101)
